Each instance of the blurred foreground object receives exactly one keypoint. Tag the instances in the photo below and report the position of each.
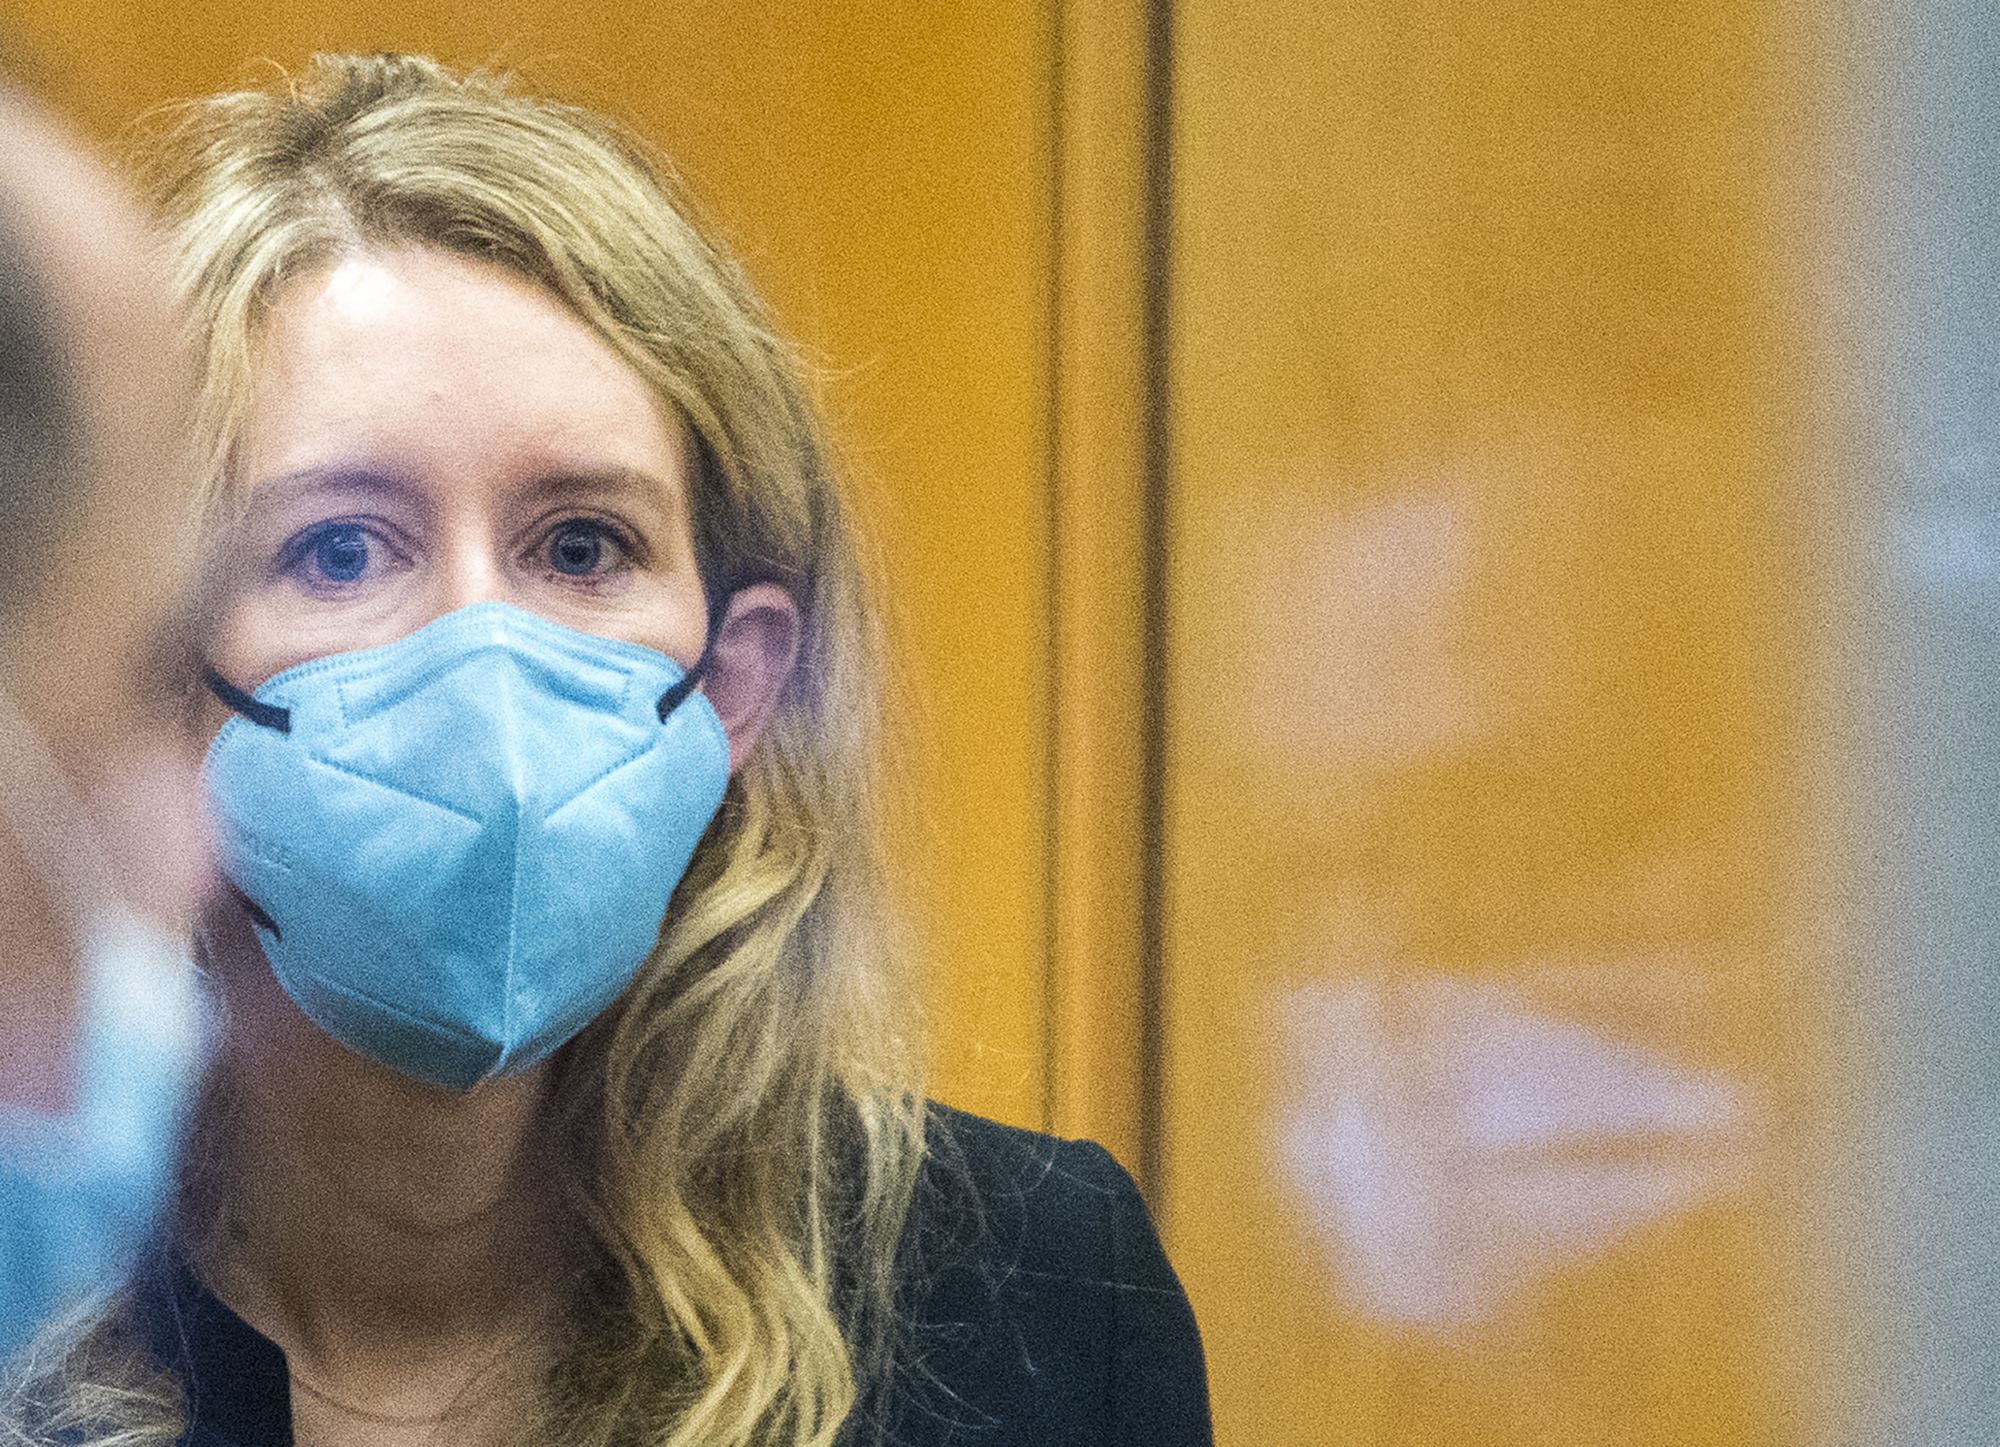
(100, 845)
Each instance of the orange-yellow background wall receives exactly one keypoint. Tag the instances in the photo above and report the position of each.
(884, 173)
(1489, 463)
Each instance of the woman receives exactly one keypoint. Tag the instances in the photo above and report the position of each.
(564, 1094)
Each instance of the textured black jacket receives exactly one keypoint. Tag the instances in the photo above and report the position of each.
(1037, 1310)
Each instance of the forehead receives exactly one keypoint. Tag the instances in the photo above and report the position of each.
(397, 310)
(442, 360)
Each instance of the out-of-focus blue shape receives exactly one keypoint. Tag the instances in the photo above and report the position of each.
(1936, 771)
(1947, 555)
(78, 1191)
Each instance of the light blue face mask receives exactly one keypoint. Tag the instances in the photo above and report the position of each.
(458, 847)
(80, 1190)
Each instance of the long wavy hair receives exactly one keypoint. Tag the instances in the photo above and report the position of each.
(740, 1132)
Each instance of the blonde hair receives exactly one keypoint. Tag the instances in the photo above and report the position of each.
(742, 1129)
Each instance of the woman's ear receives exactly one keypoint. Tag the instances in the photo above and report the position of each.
(749, 663)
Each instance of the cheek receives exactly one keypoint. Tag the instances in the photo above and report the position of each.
(235, 646)
(263, 633)
(248, 644)
(682, 631)
(666, 613)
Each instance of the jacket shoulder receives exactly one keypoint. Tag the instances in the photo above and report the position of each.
(1036, 1305)
(1034, 1203)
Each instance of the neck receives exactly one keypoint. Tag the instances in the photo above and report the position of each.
(377, 1228)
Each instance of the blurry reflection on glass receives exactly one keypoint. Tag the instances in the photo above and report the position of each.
(1450, 1143)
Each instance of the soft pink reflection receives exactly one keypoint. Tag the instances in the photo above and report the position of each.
(1450, 1144)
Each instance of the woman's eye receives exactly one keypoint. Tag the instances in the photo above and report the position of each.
(584, 548)
(341, 553)
(332, 554)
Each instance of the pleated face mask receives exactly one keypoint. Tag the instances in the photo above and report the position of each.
(458, 848)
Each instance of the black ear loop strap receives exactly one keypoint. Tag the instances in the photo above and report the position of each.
(674, 697)
(267, 714)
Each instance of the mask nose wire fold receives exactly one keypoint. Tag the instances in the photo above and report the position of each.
(271, 716)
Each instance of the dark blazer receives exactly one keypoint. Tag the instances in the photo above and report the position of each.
(1036, 1309)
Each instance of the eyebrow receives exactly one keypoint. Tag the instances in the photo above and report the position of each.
(611, 479)
(327, 477)
(363, 480)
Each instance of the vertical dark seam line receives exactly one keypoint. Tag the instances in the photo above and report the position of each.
(1157, 262)
(1052, 719)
